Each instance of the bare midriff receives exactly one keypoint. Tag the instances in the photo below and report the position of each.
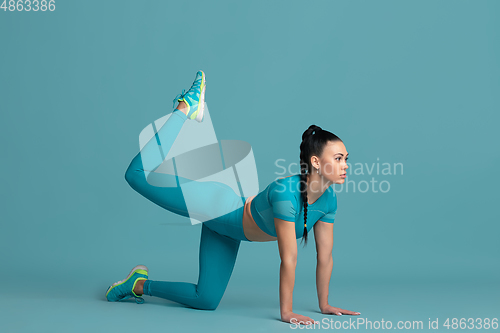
(250, 228)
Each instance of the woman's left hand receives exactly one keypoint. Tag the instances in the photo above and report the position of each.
(337, 311)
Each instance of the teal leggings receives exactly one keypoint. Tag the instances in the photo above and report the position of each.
(220, 236)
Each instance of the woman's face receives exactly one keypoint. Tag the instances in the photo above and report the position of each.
(333, 163)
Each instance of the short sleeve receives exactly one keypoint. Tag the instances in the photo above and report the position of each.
(332, 210)
(283, 203)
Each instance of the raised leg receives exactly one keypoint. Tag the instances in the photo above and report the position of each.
(170, 196)
(207, 200)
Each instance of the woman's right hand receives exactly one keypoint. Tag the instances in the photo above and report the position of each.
(294, 318)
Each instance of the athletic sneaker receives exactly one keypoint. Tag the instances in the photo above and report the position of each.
(194, 98)
(124, 289)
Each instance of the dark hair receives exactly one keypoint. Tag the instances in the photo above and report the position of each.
(314, 140)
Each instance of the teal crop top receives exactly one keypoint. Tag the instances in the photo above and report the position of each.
(281, 199)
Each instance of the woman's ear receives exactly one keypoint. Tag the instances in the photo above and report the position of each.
(315, 162)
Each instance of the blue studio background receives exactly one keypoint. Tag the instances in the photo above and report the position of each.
(409, 82)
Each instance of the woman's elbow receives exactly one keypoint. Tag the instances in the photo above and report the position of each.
(324, 258)
(289, 262)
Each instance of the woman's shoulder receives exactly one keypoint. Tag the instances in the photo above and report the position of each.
(285, 188)
(332, 198)
(287, 179)
(287, 183)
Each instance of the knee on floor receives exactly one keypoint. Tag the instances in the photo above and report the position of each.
(207, 303)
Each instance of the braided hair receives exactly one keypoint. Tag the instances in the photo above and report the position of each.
(314, 140)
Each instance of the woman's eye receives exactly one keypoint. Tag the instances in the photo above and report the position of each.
(347, 158)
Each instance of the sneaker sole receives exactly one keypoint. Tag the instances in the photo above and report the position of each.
(199, 116)
(201, 102)
(136, 268)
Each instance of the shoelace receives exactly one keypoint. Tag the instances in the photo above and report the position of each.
(138, 300)
(126, 295)
(196, 85)
(181, 95)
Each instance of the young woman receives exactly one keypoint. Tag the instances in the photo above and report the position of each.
(286, 210)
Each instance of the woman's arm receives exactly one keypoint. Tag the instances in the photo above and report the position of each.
(323, 236)
(287, 244)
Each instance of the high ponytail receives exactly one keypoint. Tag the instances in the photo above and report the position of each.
(313, 142)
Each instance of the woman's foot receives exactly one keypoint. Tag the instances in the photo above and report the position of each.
(126, 288)
(193, 99)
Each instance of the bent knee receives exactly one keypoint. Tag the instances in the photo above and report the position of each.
(208, 307)
(134, 170)
(131, 177)
(208, 303)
